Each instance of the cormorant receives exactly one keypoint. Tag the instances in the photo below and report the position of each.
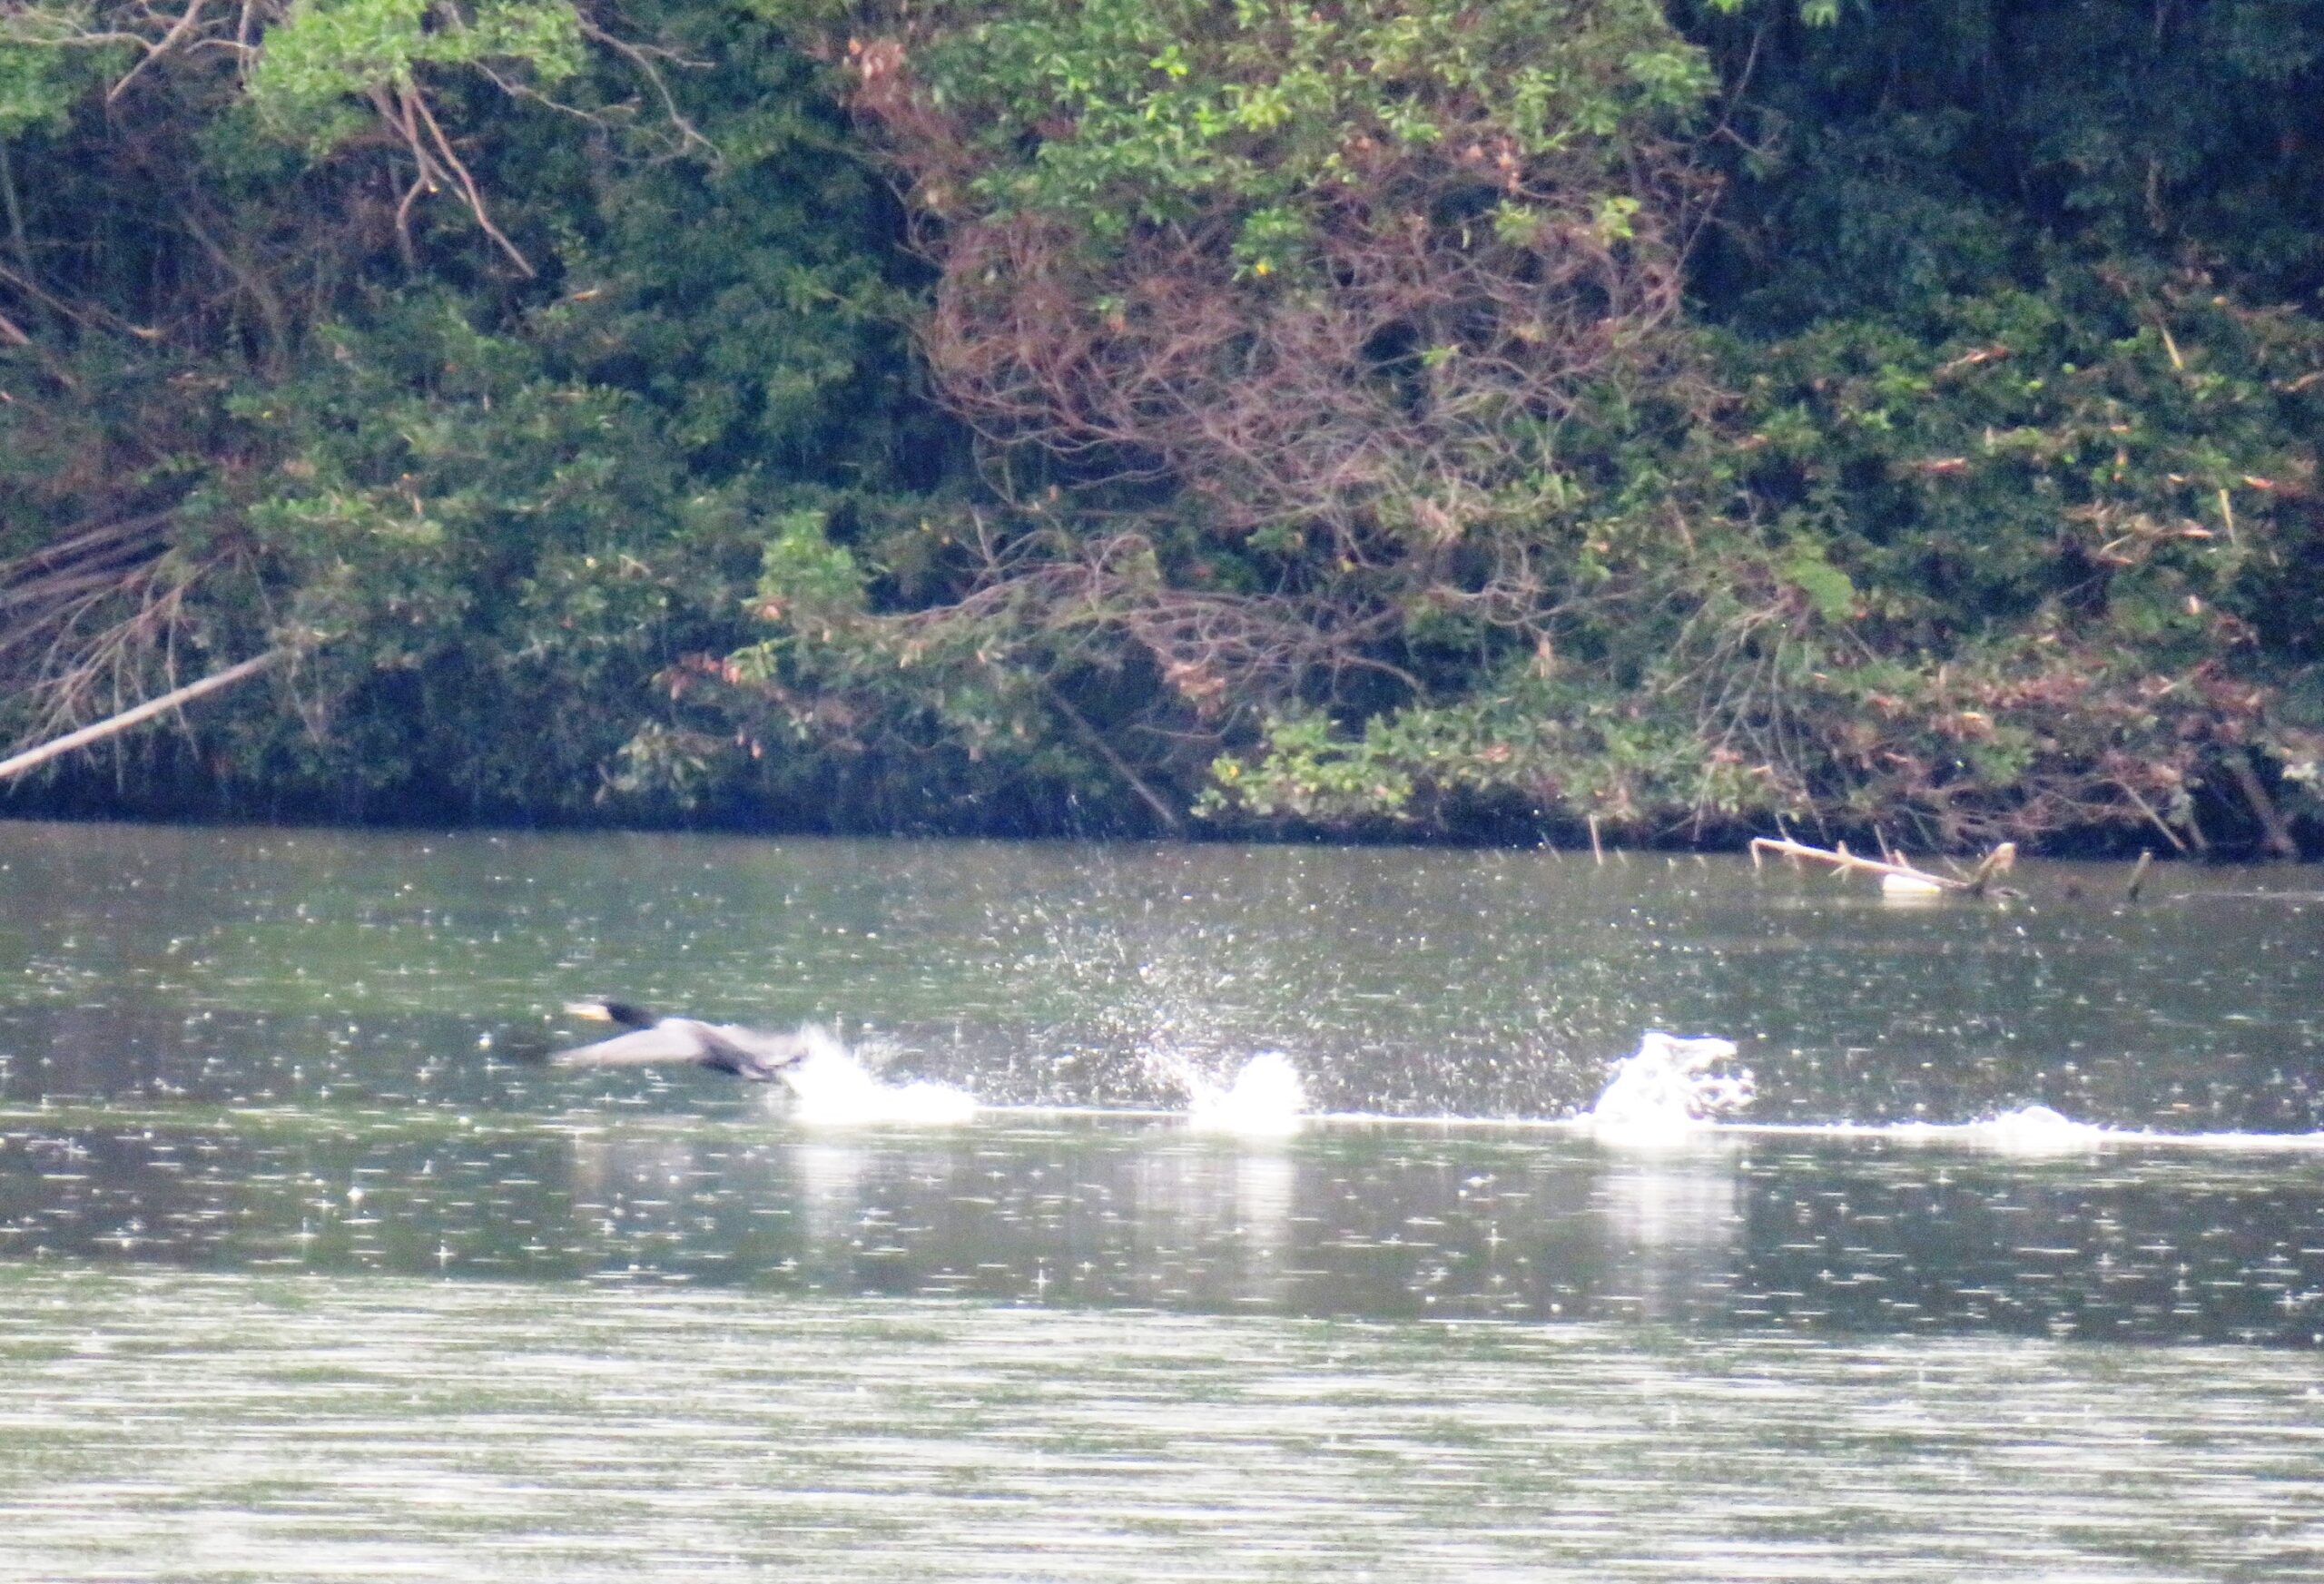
(721, 1047)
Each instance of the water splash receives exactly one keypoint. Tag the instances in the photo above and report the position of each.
(832, 1087)
(1264, 1100)
(2028, 1130)
(1670, 1088)
(2036, 1130)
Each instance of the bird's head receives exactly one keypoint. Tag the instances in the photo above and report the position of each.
(621, 1012)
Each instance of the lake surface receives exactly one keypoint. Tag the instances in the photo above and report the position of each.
(2008, 1259)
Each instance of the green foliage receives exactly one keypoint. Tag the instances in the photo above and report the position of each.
(2014, 523)
(39, 84)
(1136, 111)
(1360, 417)
(1923, 149)
(472, 546)
(2050, 573)
(324, 53)
(493, 516)
(1295, 340)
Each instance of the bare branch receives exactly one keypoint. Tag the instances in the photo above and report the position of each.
(178, 32)
(174, 699)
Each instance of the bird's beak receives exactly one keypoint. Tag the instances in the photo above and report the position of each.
(595, 1011)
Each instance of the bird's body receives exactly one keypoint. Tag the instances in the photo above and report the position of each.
(747, 1053)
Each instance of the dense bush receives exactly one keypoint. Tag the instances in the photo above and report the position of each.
(488, 428)
(1405, 415)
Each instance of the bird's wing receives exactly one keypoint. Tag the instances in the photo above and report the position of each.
(751, 1052)
(766, 1047)
(673, 1039)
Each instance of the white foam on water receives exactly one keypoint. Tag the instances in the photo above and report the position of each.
(2036, 1130)
(832, 1087)
(1264, 1099)
(2030, 1129)
(1669, 1091)
(1624, 1127)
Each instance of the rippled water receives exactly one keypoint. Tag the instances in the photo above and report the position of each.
(280, 1427)
(2007, 1259)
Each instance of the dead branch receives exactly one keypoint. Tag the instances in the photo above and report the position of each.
(1388, 414)
(1992, 867)
(1840, 858)
(177, 697)
(1161, 806)
(1978, 882)
(2277, 830)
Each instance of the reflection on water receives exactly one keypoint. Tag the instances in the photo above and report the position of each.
(1675, 1230)
(1830, 1235)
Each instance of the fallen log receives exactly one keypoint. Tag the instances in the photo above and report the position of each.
(32, 758)
(1977, 883)
(1840, 858)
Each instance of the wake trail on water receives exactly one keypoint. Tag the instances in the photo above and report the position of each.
(2037, 1130)
(833, 1087)
(1675, 1089)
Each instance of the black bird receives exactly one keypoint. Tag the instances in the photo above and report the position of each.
(721, 1047)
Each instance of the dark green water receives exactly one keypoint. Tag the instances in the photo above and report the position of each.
(308, 1268)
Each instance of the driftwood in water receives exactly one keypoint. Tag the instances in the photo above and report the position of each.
(1978, 882)
(1839, 857)
(1992, 867)
(32, 757)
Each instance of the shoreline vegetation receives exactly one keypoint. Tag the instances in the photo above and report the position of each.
(1891, 424)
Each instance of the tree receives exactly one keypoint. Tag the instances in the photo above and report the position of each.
(491, 466)
(1294, 339)
(1330, 373)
